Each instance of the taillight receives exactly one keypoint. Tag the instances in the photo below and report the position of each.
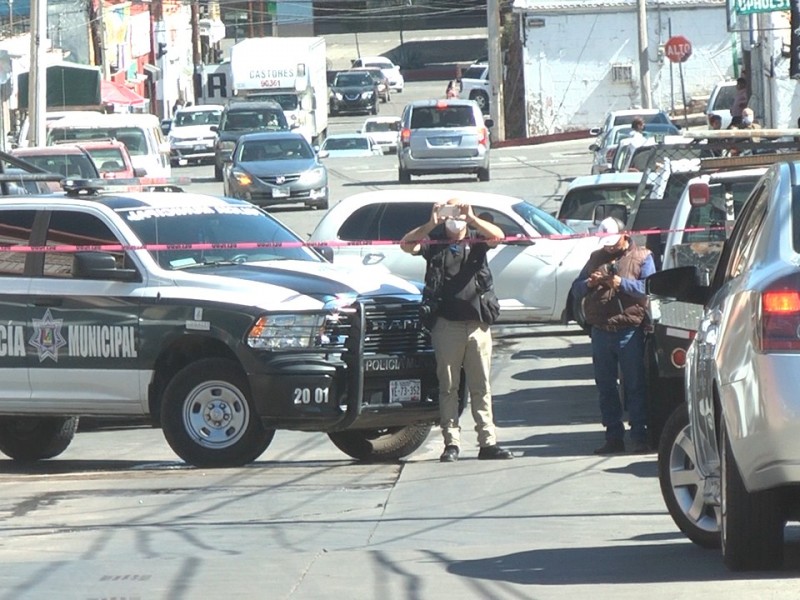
(610, 154)
(780, 320)
(405, 136)
(483, 136)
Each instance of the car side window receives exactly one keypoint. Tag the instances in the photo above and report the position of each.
(359, 225)
(745, 233)
(15, 230)
(72, 228)
(400, 217)
(510, 227)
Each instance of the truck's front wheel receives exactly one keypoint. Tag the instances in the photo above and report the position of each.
(28, 439)
(378, 445)
(208, 417)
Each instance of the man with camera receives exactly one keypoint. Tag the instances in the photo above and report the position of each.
(612, 286)
(461, 305)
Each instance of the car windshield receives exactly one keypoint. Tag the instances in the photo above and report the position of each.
(198, 117)
(68, 165)
(352, 80)
(254, 119)
(544, 223)
(580, 203)
(213, 229)
(280, 149)
(107, 159)
(659, 117)
(132, 137)
(379, 65)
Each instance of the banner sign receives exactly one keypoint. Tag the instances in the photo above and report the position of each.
(749, 7)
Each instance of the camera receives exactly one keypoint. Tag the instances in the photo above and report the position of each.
(449, 211)
(612, 268)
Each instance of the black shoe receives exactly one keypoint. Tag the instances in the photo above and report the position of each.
(639, 448)
(612, 446)
(450, 454)
(494, 453)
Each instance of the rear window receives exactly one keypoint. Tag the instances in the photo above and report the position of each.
(68, 165)
(656, 118)
(473, 73)
(713, 214)
(450, 116)
(108, 159)
(133, 137)
(581, 202)
(378, 126)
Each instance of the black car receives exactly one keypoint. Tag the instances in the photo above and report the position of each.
(354, 92)
(243, 117)
(384, 90)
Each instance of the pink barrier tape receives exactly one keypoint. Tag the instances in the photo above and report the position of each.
(309, 244)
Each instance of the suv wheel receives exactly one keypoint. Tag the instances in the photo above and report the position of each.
(404, 176)
(483, 174)
(217, 172)
(481, 99)
(208, 417)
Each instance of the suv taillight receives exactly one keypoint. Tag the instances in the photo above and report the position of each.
(610, 154)
(483, 136)
(405, 137)
(779, 328)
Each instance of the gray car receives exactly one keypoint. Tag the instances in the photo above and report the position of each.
(741, 439)
(243, 117)
(278, 167)
(443, 136)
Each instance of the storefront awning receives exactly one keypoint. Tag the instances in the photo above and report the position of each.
(115, 93)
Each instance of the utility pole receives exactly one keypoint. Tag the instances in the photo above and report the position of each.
(644, 55)
(495, 70)
(37, 74)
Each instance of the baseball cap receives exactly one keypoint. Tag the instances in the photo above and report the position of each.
(606, 229)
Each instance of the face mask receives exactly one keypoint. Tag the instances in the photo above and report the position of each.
(747, 121)
(455, 225)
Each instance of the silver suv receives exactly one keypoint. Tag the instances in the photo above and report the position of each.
(443, 136)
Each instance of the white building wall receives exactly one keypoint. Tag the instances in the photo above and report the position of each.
(568, 63)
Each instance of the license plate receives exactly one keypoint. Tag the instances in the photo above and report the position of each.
(404, 390)
(280, 193)
(444, 141)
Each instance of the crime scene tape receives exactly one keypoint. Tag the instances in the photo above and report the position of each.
(66, 248)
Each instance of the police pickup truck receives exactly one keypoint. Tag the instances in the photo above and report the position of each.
(208, 316)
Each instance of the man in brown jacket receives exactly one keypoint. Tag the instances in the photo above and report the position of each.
(612, 286)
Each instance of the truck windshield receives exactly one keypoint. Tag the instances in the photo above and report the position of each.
(211, 233)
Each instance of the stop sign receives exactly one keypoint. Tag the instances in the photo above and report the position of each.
(678, 49)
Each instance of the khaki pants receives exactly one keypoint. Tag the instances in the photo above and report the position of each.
(467, 343)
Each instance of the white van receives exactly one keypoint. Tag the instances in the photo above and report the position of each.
(141, 133)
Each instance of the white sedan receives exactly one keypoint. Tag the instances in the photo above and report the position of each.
(533, 270)
(349, 145)
(384, 130)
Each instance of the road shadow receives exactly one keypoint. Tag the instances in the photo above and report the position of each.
(645, 563)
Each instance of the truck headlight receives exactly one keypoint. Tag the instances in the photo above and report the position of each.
(227, 146)
(312, 176)
(273, 332)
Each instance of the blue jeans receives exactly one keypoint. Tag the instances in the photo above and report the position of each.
(615, 352)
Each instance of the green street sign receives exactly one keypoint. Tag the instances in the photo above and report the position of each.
(749, 7)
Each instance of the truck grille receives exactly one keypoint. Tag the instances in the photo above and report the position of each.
(390, 328)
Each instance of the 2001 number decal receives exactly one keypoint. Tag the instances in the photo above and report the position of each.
(307, 395)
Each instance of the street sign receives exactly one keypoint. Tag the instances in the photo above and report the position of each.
(678, 49)
(749, 7)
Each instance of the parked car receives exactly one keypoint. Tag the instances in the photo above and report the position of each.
(277, 167)
(349, 145)
(443, 136)
(191, 137)
(720, 101)
(532, 271)
(68, 160)
(239, 118)
(609, 142)
(353, 92)
(384, 130)
(626, 116)
(381, 81)
(141, 134)
(112, 159)
(741, 382)
(591, 198)
(475, 85)
(391, 70)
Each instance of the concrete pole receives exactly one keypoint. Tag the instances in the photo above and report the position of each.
(644, 55)
(495, 37)
(37, 74)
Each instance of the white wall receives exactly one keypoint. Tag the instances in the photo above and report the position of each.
(568, 62)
